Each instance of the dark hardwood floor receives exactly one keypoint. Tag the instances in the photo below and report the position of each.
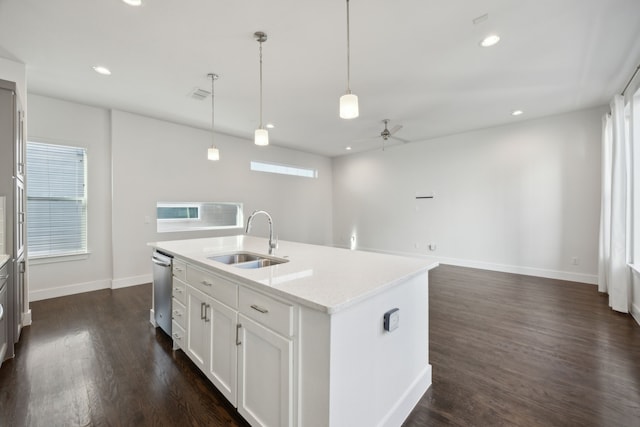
(506, 350)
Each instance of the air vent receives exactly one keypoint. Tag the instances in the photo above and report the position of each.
(200, 94)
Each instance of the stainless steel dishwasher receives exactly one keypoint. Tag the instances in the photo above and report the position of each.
(162, 290)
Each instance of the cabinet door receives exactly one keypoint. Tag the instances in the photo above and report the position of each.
(265, 370)
(198, 328)
(20, 218)
(20, 146)
(223, 362)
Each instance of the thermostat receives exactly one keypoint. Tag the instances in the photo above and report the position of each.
(392, 319)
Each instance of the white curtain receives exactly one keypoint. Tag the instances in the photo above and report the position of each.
(613, 272)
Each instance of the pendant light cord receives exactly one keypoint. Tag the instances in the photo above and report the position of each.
(213, 79)
(348, 53)
(260, 84)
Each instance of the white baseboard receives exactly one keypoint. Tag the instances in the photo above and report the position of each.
(635, 312)
(78, 288)
(152, 318)
(61, 291)
(408, 401)
(26, 318)
(591, 279)
(131, 281)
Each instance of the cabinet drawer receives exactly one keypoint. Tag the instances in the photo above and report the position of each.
(178, 334)
(179, 269)
(179, 313)
(213, 285)
(274, 314)
(179, 291)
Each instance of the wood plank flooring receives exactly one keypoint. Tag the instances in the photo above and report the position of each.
(505, 349)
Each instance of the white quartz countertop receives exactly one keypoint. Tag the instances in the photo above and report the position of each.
(321, 277)
(3, 259)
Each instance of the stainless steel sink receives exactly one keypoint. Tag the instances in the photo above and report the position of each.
(264, 262)
(235, 258)
(247, 260)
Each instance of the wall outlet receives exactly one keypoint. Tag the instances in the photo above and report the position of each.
(575, 260)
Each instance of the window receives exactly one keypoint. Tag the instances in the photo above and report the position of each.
(192, 216)
(56, 200)
(283, 169)
(178, 213)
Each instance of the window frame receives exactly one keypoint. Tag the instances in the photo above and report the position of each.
(62, 255)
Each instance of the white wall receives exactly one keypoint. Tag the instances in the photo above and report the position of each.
(521, 198)
(67, 123)
(156, 161)
(135, 161)
(17, 73)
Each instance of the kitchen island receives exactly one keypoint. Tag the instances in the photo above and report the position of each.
(324, 337)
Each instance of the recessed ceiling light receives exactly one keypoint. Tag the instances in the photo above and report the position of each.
(133, 2)
(270, 126)
(490, 40)
(347, 148)
(102, 70)
(516, 112)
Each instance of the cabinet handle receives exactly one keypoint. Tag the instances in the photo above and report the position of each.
(176, 335)
(177, 268)
(260, 309)
(204, 282)
(238, 326)
(177, 313)
(206, 309)
(178, 289)
(203, 314)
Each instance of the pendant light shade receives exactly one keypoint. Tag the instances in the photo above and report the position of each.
(213, 153)
(261, 137)
(348, 101)
(261, 134)
(348, 106)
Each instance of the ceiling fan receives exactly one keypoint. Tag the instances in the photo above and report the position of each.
(388, 134)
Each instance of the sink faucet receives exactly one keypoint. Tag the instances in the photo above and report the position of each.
(272, 244)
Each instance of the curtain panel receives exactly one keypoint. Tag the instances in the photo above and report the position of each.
(615, 219)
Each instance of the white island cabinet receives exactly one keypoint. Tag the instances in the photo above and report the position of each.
(304, 342)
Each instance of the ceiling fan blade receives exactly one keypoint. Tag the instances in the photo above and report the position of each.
(395, 129)
(399, 139)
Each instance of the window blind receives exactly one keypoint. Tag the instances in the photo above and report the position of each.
(56, 200)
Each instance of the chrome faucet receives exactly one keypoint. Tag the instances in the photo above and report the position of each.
(272, 244)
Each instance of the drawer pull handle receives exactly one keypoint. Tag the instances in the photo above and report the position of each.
(176, 335)
(204, 282)
(206, 309)
(177, 268)
(238, 326)
(177, 313)
(260, 309)
(203, 313)
(178, 289)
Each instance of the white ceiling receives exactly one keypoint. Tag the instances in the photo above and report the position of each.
(416, 62)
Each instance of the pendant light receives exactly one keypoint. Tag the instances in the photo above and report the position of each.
(213, 153)
(348, 101)
(261, 134)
